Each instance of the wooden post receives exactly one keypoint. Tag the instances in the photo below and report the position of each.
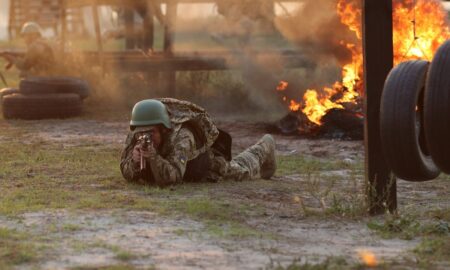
(63, 26)
(98, 33)
(378, 61)
(12, 19)
(169, 25)
(130, 36)
(149, 29)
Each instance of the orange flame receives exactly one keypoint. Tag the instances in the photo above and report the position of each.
(428, 29)
(294, 106)
(282, 86)
(368, 258)
(418, 30)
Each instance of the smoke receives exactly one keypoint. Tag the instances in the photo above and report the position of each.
(317, 30)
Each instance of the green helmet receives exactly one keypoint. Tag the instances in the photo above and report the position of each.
(31, 28)
(149, 112)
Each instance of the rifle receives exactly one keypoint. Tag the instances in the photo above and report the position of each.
(7, 55)
(3, 79)
(145, 140)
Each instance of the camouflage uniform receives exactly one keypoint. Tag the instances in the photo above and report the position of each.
(38, 61)
(190, 142)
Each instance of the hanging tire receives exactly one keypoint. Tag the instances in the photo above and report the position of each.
(401, 126)
(437, 108)
(32, 107)
(54, 85)
(8, 91)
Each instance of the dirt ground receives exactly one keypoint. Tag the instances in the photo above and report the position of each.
(312, 212)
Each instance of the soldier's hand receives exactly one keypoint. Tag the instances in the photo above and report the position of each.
(149, 152)
(136, 155)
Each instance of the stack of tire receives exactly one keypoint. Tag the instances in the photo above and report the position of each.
(44, 97)
(415, 117)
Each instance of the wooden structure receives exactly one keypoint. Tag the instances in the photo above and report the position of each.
(164, 61)
(44, 12)
(378, 61)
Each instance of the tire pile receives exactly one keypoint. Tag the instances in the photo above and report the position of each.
(44, 97)
(415, 117)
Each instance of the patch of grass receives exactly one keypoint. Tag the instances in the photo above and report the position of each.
(441, 214)
(332, 263)
(120, 254)
(14, 249)
(234, 230)
(300, 164)
(111, 267)
(333, 195)
(408, 227)
(222, 219)
(433, 250)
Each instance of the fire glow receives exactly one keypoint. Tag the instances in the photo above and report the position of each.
(420, 27)
(368, 258)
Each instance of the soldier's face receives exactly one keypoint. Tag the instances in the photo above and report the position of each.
(29, 38)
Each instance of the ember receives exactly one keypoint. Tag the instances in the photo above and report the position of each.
(368, 258)
(417, 35)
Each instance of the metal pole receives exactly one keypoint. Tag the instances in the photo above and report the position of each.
(378, 61)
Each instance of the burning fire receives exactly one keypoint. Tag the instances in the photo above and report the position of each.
(426, 29)
(420, 27)
(368, 258)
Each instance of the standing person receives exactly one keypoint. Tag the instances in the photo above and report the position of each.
(183, 144)
(39, 59)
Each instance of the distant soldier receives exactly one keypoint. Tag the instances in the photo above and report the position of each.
(39, 59)
(173, 141)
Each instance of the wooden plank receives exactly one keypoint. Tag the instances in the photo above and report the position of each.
(378, 61)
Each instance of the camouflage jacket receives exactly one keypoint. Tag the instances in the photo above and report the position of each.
(188, 142)
(39, 59)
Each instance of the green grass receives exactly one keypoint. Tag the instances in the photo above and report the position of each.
(433, 249)
(409, 227)
(41, 176)
(15, 249)
(332, 263)
(300, 164)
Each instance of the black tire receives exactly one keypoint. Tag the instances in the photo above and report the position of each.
(437, 108)
(8, 91)
(401, 126)
(32, 107)
(54, 85)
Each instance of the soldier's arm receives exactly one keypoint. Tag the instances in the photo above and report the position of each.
(130, 170)
(171, 170)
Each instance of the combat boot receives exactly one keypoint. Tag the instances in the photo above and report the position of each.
(269, 165)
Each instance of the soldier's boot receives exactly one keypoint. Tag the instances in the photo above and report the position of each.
(257, 160)
(269, 164)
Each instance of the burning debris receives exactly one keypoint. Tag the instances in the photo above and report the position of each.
(337, 110)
